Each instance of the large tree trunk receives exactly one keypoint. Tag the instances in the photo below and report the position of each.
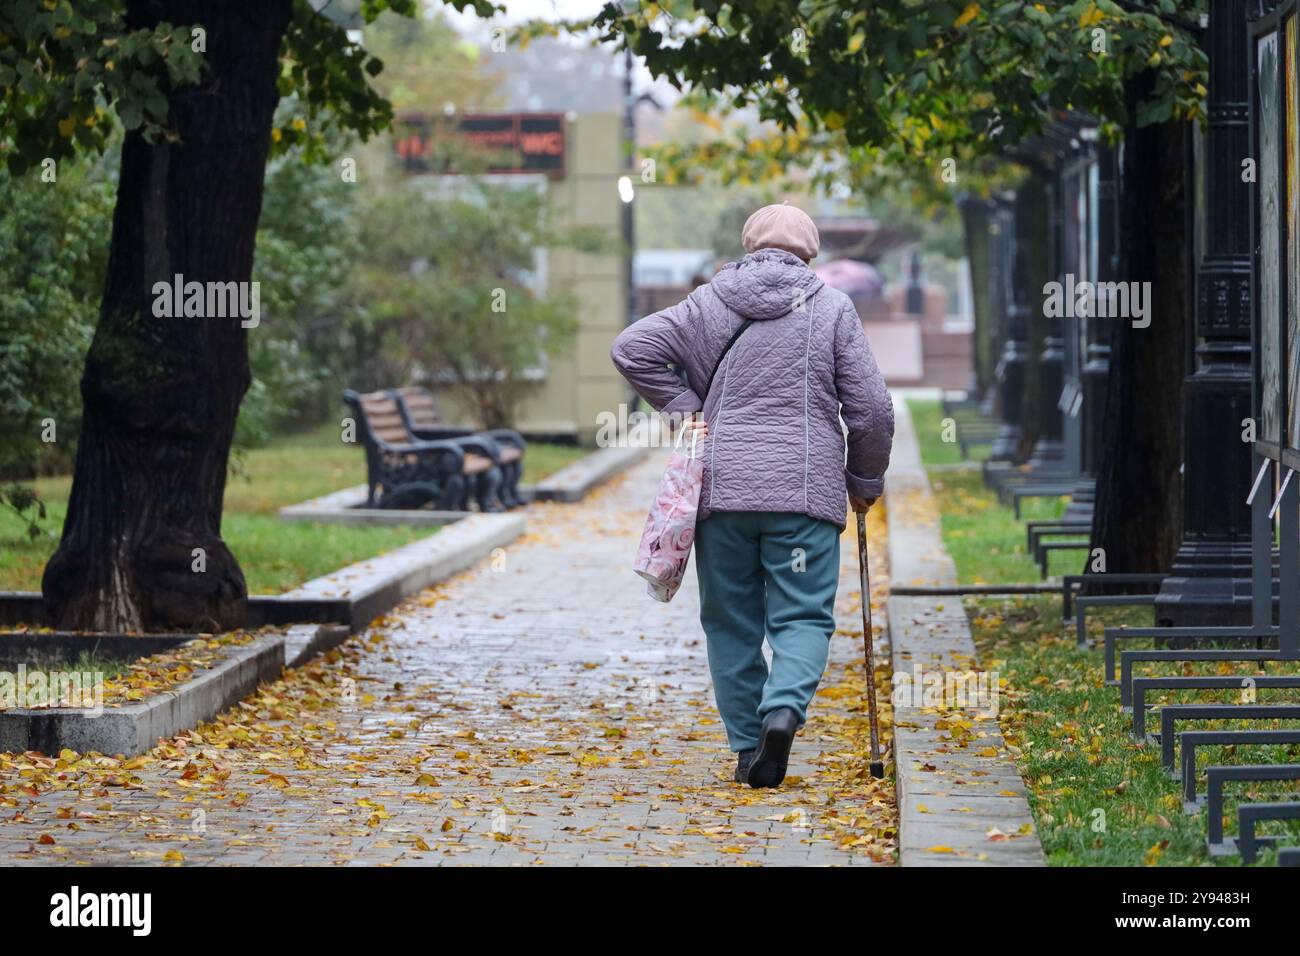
(141, 547)
(1138, 512)
(975, 226)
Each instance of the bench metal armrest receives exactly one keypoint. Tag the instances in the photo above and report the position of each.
(507, 436)
(480, 445)
(424, 448)
(441, 433)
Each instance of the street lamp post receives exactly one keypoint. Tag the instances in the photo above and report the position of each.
(1213, 564)
(1011, 365)
(626, 193)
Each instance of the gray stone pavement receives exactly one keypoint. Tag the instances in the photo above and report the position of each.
(536, 709)
(961, 799)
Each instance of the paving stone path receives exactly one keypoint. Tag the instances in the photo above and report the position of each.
(961, 799)
(537, 709)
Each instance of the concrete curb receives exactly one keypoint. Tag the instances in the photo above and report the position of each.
(305, 642)
(372, 587)
(949, 797)
(348, 507)
(574, 482)
(348, 600)
(355, 595)
(132, 729)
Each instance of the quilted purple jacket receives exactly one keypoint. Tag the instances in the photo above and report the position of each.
(775, 441)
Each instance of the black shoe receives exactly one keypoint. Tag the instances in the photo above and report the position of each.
(768, 768)
(743, 759)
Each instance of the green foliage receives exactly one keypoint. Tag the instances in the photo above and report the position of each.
(446, 289)
(428, 64)
(60, 63)
(307, 246)
(898, 86)
(26, 504)
(53, 250)
(331, 77)
(53, 254)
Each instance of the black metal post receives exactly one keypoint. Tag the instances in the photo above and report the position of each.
(999, 227)
(1049, 450)
(915, 299)
(629, 144)
(1096, 358)
(1011, 366)
(1210, 576)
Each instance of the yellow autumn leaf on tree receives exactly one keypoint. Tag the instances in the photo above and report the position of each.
(856, 41)
(67, 125)
(970, 13)
(1090, 16)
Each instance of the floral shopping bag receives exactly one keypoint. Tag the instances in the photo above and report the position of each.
(669, 531)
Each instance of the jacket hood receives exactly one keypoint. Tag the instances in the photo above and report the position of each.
(766, 284)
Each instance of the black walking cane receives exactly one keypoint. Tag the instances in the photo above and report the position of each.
(877, 765)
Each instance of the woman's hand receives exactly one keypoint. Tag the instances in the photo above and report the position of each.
(697, 425)
(861, 505)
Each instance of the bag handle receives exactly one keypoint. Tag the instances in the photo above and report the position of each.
(712, 375)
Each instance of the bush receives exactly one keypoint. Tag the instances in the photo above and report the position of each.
(448, 292)
(300, 354)
(53, 252)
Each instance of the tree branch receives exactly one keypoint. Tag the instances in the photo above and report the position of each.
(1182, 23)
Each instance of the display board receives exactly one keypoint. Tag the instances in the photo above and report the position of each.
(502, 142)
(1269, 133)
(1291, 130)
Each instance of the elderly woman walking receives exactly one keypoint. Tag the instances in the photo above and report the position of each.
(780, 370)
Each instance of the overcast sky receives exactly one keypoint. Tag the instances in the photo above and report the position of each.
(517, 11)
(520, 10)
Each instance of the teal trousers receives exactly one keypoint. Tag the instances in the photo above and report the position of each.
(774, 574)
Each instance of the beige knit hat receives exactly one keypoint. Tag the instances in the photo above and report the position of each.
(781, 227)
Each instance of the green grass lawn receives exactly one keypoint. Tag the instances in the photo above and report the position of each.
(1099, 797)
(936, 436)
(276, 555)
(986, 543)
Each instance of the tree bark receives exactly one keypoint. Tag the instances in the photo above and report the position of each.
(1137, 518)
(141, 547)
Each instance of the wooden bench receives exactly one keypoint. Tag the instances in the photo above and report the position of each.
(405, 471)
(503, 445)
